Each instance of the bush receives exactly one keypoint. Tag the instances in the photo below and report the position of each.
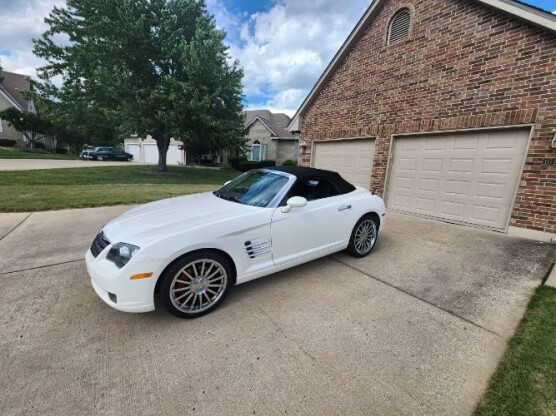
(290, 162)
(34, 150)
(7, 142)
(61, 151)
(235, 161)
(39, 145)
(246, 165)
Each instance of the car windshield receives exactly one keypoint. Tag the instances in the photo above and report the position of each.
(257, 188)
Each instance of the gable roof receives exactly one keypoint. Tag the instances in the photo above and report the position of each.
(12, 86)
(276, 123)
(530, 14)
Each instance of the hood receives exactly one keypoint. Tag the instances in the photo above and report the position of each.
(150, 222)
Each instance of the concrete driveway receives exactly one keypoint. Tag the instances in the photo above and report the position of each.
(32, 164)
(416, 328)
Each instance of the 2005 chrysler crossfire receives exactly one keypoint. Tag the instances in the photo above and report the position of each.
(191, 250)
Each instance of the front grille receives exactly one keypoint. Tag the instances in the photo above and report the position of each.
(99, 243)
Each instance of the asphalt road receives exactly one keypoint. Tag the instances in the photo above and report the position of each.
(415, 328)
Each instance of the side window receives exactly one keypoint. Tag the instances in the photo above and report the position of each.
(312, 189)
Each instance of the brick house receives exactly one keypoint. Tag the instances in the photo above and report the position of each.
(10, 96)
(268, 138)
(447, 109)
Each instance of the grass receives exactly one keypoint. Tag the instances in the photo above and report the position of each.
(525, 381)
(8, 153)
(51, 189)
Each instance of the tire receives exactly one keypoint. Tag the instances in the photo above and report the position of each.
(100, 158)
(130, 159)
(186, 291)
(363, 237)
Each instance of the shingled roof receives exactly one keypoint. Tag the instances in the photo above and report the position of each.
(12, 85)
(275, 122)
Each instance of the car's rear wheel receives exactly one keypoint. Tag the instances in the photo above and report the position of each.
(100, 158)
(364, 236)
(130, 159)
(196, 284)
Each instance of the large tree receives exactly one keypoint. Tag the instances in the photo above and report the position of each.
(157, 67)
(32, 125)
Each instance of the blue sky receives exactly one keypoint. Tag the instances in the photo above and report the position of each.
(283, 45)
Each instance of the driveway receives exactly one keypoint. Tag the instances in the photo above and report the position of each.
(416, 328)
(32, 164)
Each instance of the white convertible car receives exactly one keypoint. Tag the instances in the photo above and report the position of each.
(191, 250)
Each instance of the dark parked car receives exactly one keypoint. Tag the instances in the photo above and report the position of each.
(105, 153)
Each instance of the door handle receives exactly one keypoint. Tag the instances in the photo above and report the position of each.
(344, 208)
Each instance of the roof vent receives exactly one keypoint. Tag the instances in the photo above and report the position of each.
(399, 26)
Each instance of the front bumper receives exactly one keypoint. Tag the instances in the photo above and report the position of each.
(130, 295)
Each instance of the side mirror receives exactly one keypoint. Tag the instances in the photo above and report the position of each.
(227, 183)
(294, 202)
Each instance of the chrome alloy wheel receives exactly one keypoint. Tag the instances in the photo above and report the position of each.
(198, 286)
(365, 237)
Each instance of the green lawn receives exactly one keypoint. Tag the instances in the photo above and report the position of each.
(50, 189)
(525, 381)
(9, 153)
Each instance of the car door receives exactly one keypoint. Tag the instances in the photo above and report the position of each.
(323, 225)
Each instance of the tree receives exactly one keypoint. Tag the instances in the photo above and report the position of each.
(157, 67)
(30, 124)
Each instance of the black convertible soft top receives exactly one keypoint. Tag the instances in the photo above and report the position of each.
(301, 172)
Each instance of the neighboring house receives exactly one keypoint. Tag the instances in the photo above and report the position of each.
(268, 138)
(10, 96)
(447, 108)
(146, 150)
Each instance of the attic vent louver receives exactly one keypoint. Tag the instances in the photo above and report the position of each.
(399, 26)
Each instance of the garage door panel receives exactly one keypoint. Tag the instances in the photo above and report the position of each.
(432, 165)
(353, 159)
(431, 144)
(469, 177)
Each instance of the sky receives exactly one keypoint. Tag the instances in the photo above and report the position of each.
(282, 45)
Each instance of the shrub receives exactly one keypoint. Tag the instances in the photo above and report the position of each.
(39, 145)
(290, 162)
(246, 165)
(61, 150)
(7, 142)
(235, 161)
(34, 150)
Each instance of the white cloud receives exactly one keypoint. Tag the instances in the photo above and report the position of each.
(21, 22)
(285, 49)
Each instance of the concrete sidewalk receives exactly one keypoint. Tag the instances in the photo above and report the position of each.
(415, 328)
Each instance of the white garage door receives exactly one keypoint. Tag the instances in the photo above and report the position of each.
(135, 150)
(466, 177)
(151, 153)
(353, 159)
(173, 157)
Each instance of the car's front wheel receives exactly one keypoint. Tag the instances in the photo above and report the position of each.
(100, 158)
(364, 236)
(196, 284)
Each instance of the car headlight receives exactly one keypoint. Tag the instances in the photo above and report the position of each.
(121, 253)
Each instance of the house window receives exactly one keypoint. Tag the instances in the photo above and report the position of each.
(1, 126)
(399, 26)
(258, 151)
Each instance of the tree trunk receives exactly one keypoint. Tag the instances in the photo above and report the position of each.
(163, 143)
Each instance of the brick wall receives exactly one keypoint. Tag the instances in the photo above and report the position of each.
(464, 66)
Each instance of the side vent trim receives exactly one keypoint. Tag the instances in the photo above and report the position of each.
(255, 249)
